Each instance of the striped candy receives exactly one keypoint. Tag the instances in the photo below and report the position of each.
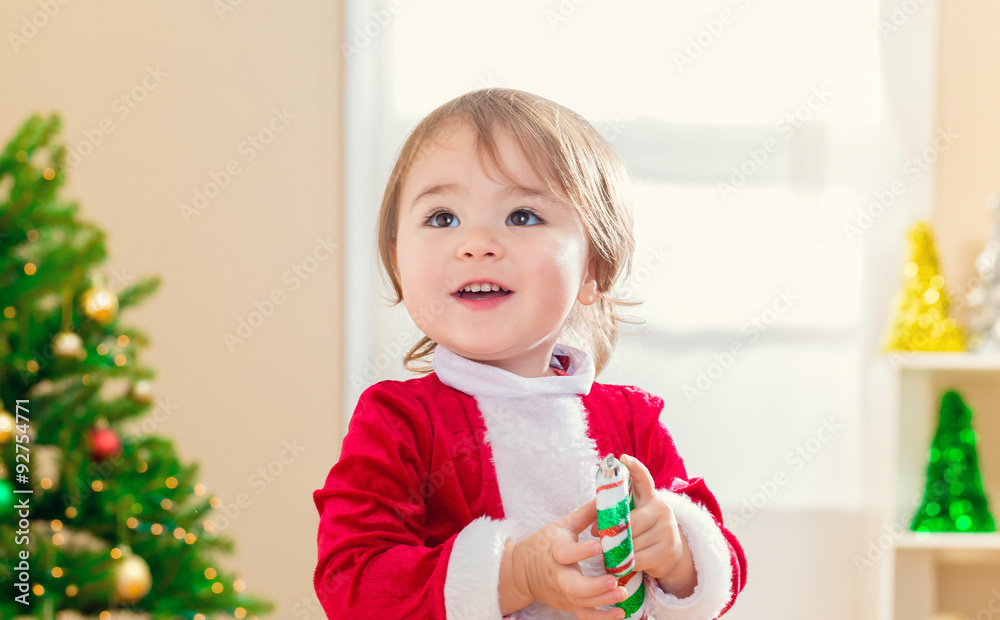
(614, 502)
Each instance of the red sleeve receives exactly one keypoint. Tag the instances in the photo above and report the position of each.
(655, 448)
(372, 560)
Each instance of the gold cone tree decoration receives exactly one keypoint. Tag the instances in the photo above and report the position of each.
(921, 321)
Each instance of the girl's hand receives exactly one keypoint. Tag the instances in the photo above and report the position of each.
(660, 549)
(546, 569)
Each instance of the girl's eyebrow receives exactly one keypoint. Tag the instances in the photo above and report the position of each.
(508, 191)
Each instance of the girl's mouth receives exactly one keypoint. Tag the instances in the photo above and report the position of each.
(481, 290)
(481, 294)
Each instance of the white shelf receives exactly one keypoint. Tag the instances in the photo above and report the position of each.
(949, 540)
(945, 361)
(928, 572)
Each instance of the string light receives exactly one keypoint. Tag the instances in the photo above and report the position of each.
(142, 467)
(32, 235)
(171, 482)
(32, 366)
(199, 489)
(116, 553)
(120, 360)
(46, 483)
(38, 589)
(239, 612)
(156, 529)
(132, 523)
(102, 349)
(105, 615)
(179, 533)
(57, 572)
(30, 269)
(239, 585)
(97, 485)
(166, 503)
(189, 538)
(217, 587)
(71, 590)
(123, 340)
(9, 312)
(215, 502)
(48, 174)
(56, 525)
(71, 512)
(210, 573)
(57, 539)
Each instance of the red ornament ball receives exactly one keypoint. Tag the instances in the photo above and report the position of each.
(104, 444)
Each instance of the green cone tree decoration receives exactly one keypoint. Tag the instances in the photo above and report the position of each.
(114, 520)
(954, 500)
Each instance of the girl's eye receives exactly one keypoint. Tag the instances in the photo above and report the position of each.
(441, 219)
(524, 217)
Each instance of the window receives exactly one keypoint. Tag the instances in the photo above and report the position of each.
(753, 131)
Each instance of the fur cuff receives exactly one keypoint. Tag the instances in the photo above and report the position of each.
(472, 584)
(710, 552)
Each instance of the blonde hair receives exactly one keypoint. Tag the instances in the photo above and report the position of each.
(554, 139)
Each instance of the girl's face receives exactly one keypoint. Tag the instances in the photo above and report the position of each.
(458, 230)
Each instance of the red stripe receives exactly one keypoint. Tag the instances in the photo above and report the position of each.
(614, 530)
(610, 486)
(624, 566)
(624, 580)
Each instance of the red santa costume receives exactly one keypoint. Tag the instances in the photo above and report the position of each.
(437, 472)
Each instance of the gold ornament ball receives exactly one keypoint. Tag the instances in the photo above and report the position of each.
(67, 345)
(132, 578)
(142, 392)
(6, 425)
(100, 304)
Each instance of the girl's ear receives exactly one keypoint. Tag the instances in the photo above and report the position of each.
(588, 288)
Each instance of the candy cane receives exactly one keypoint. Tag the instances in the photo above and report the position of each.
(614, 502)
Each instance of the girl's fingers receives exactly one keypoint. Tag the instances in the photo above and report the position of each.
(617, 595)
(569, 552)
(585, 613)
(577, 587)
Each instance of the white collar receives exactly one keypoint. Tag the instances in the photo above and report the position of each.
(478, 379)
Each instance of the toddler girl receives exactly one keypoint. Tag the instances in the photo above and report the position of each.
(469, 492)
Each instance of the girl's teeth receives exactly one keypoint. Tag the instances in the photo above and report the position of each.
(485, 286)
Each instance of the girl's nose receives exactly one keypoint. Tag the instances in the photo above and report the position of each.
(478, 244)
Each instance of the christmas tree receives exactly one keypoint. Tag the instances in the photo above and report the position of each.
(96, 514)
(983, 300)
(921, 321)
(954, 500)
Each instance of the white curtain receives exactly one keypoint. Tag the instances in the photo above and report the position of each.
(768, 142)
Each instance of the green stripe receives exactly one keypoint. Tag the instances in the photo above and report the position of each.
(617, 555)
(634, 602)
(611, 517)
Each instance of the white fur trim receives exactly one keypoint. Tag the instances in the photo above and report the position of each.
(545, 461)
(482, 380)
(472, 583)
(710, 552)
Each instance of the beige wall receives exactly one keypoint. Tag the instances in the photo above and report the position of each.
(968, 102)
(214, 80)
